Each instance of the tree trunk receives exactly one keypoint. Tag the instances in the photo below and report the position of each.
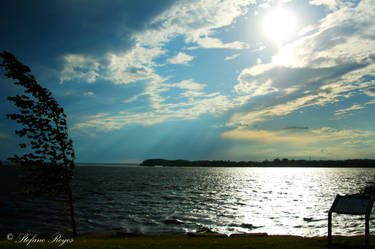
(73, 220)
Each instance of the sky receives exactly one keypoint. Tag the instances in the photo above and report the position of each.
(200, 80)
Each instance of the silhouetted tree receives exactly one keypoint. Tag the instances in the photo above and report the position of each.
(369, 188)
(49, 156)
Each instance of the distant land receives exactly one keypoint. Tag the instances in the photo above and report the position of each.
(352, 163)
(79, 164)
(107, 164)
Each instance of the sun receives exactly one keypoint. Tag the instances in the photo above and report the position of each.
(279, 25)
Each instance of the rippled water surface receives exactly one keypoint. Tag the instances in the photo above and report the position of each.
(178, 200)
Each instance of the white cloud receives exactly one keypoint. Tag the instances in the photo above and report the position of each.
(193, 104)
(301, 137)
(290, 90)
(345, 34)
(153, 90)
(79, 67)
(332, 4)
(323, 67)
(198, 22)
(254, 87)
(189, 85)
(234, 56)
(244, 119)
(213, 104)
(181, 58)
(122, 68)
(316, 98)
(326, 142)
(134, 65)
(209, 42)
(349, 109)
(89, 93)
(191, 88)
(132, 99)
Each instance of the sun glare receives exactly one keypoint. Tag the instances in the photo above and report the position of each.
(279, 25)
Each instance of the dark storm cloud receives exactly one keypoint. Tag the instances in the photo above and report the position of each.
(296, 128)
(52, 28)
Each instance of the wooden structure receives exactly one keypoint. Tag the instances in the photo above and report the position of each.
(353, 205)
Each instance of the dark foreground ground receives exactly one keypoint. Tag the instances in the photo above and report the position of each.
(113, 241)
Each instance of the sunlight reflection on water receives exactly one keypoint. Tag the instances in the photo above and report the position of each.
(296, 200)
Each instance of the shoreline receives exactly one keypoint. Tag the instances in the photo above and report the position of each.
(121, 239)
(357, 163)
(118, 234)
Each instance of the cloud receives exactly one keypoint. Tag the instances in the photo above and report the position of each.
(122, 68)
(89, 93)
(194, 20)
(197, 22)
(213, 104)
(297, 137)
(190, 88)
(55, 29)
(194, 104)
(258, 136)
(245, 119)
(181, 58)
(349, 109)
(296, 128)
(134, 65)
(324, 66)
(234, 56)
(79, 67)
(188, 85)
(339, 150)
(332, 4)
(318, 97)
(251, 85)
(370, 91)
(79, 27)
(344, 35)
(323, 143)
(210, 42)
(273, 76)
(132, 99)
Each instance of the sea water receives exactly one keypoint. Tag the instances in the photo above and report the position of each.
(172, 200)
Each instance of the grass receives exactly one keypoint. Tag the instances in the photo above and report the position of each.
(182, 242)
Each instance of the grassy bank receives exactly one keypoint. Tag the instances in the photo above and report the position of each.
(181, 242)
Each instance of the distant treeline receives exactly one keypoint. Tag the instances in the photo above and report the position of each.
(360, 163)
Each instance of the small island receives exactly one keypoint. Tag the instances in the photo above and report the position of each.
(351, 163)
